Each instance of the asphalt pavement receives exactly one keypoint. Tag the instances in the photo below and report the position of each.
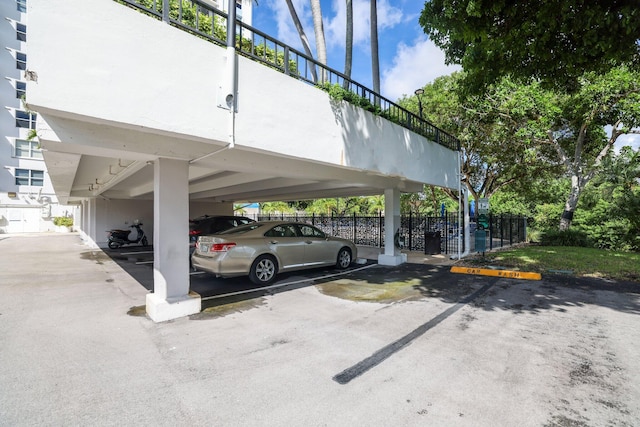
(410, 345)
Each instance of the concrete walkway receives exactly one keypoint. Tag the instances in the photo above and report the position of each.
(413, 257)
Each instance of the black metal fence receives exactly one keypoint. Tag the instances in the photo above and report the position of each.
(417, 232)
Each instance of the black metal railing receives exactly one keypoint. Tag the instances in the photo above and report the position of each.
(416, 230)
(203, 20)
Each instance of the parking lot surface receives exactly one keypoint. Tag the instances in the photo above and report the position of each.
(411, 345)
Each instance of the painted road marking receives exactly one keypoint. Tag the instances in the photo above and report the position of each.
(507, 274)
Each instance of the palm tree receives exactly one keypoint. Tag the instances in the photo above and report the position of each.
(348, 48)
(321, 46)
(375, 61)
(303, 36)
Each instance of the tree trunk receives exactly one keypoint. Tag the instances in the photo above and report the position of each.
(318, 28)
(348, 48)
(303, 36)
(571, 203)
(375, 61)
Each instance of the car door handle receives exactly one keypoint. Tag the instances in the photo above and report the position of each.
(274, 242)
(308, 242)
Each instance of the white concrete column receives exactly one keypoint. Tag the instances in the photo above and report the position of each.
(84, 221)
(391, 255)
(171, 297)
(92, 210)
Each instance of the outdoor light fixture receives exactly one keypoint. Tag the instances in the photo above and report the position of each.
(418, 93)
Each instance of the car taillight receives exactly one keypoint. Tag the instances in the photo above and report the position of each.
(194, 232)
(221, 247)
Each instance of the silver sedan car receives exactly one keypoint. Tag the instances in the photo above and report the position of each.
(264, 249)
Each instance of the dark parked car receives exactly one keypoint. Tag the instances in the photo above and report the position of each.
(212, 224)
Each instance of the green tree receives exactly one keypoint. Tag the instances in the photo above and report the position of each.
(302, 34)
(277, 208)
(610, 206)
(375, 60)
(497, 150)
(577, 133)
(348, 45)
(318, 28)
(554, 41)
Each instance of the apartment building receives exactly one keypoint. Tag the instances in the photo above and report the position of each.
(27, 199)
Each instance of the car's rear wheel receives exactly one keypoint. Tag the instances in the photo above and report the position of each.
(263, 270)
(344, 258)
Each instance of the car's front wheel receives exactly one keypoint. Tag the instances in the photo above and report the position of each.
(263, 270)
(344, 258)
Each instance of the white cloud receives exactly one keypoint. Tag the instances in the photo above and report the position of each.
(287, 32)
(631, 140)
(413, 67)
(335, 26)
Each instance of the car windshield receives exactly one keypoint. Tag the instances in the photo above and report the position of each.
(242, 228)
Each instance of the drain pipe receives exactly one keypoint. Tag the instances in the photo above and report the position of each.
(228, 89)
(231, 92)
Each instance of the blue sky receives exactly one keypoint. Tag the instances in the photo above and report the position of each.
(408, 60)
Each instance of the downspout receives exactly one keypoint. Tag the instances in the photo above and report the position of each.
(228, 89)
(231, 91)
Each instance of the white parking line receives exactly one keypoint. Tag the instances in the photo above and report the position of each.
(286, 284)
(144, 262)
(135, 253)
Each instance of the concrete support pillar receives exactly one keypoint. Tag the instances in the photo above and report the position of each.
(92, 211)
(171, 297)
(392, 254)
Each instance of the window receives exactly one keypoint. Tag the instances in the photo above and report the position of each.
(21, 32)
(21, 89)
(21, 61)
(22, 5)
(26, 120)
(284, 230)
(29, 177)
(28, 149)
(309, 231)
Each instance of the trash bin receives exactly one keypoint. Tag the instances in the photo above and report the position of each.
(431, 242)
(481, 241)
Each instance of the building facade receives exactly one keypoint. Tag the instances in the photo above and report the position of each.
(27, 199)
(28, 202)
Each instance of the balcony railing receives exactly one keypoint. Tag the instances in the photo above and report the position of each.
(200, 18)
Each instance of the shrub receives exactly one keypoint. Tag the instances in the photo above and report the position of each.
(63, 221)
(565, 238)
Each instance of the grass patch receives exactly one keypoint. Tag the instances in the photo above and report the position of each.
(581, 261)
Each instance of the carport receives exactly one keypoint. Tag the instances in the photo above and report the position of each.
(239, 132)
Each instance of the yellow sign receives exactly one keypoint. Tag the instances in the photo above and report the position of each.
(507, 274)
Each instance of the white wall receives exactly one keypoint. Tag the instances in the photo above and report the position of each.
(112, 56)
(119, 213)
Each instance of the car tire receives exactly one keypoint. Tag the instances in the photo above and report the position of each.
(344, 258)
(263, 270)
